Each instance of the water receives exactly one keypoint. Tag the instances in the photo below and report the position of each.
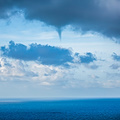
(84, 109)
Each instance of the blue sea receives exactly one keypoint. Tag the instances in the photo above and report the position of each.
(80, 109)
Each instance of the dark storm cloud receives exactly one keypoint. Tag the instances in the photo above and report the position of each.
(116, 57)
(47, 55)
(101, 16)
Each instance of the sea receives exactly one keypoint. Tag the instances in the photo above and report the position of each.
(68, 109)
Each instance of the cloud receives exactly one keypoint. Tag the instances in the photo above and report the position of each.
(14, 70)
(87, 58)
(113, 76)
(116, 57)
(115, 66)
(91, 66)
(111, 84)
(94, 76)
(46, 55)
(102, 16)
(21, 71)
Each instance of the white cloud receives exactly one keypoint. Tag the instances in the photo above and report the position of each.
(77, 76)
(111, 84)
(14, 70)
(18, 70)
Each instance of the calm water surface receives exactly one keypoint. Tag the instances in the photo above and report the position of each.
(84, 109)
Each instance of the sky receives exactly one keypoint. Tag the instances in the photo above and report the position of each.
(59, 48)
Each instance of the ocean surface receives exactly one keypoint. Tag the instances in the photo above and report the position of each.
(82, 109)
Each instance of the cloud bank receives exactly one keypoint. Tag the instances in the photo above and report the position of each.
(46, 55)
(102, 16)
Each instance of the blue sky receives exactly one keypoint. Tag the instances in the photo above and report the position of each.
(36, 63)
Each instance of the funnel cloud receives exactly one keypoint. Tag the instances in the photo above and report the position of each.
(89, 15)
